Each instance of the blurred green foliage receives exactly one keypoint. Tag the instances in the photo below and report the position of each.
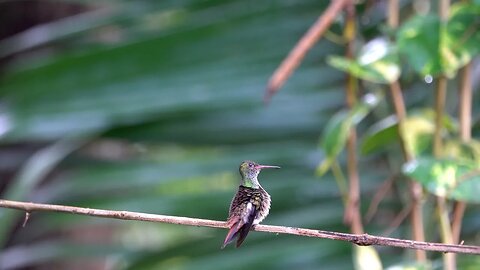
(150, 106)
(446, 178)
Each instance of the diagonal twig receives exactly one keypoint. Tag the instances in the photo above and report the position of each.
(296, 55)
(381, 192)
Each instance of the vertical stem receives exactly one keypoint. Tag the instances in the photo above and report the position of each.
(352, 211)
(458, 211)
(393, 13)
(341, 181)
(445, 229)
(416, 190)
(444, 9)
(449, 259)
(465, 106)
(400, 112)
(465, 111)
(440, 96)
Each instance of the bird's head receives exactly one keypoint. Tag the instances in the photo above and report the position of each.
(249, 171)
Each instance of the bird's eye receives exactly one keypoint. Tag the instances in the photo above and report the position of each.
(250, 165)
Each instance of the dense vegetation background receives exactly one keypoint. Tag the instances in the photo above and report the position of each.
(150, 106)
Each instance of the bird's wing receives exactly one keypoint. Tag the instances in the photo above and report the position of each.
(242, 214)
(240, 225)
(245, 229)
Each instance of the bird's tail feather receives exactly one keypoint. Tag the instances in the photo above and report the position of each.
(232, 233)
(243, 234)
(245, 229)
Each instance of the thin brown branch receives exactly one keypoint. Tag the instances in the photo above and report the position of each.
(465, 103)
(440, 97)
(400, 112)
(449, 260)
(458, 212)
(466, 177)
(465, 117)
(444, 9)
(398, 220)
(352, 214)
(359, 239)
(378, 197)
(415, 188)
(296, 55)
(417, 217)
(393, 13)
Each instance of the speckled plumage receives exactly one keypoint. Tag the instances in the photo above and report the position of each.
(257, 197)
(250, 205)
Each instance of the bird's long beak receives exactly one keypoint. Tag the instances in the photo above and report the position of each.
(267, 167)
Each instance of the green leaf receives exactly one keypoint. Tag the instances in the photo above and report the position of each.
(446, 178)
(380, 135)
(433, 48)
(463, 36)
(465, 151)
(417, 134)
(337, 129)
(419, 40)
(377, 62)
(460, 37)
(419, 129)
(448, 122)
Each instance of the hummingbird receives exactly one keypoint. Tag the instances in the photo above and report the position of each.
(250, 205)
